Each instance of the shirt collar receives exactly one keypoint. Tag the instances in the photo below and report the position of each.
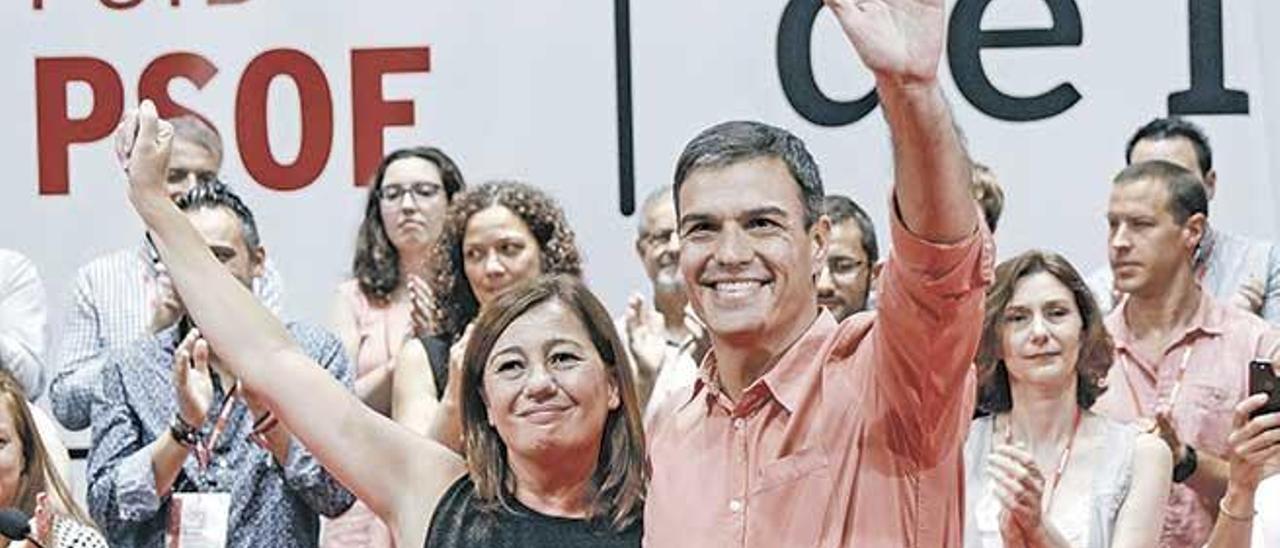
(1209, 318)
(789, 380)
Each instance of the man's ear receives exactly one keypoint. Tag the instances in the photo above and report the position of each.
(259, 258)
(820, 238)
(1210, 183)
(1193, 231)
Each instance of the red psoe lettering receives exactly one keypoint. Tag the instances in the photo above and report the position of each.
(316, 103)
(370, 113)
(55, 129)
(120, 4)
(154, 82)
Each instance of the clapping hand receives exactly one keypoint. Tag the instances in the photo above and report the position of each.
(192, 379)
(646, 334)
(1019, 486)
(422, 306)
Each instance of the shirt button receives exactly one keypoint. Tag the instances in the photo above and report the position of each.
(735, 506)
(739, 424)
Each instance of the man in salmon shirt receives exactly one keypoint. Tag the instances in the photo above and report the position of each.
(801, 431)
(1181, 358)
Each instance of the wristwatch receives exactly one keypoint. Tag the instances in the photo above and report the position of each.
(183, 433)
(1186, 466)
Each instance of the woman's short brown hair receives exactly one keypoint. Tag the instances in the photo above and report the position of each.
(618, 484)
(1096, 349)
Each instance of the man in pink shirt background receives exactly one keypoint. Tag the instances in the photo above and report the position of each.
(1182, 358)
(799, 431)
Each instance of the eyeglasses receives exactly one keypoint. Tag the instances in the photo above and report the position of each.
(391, 194)
(655, 239)
(179, 175)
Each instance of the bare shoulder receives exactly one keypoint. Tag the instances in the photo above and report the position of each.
(1153, 452)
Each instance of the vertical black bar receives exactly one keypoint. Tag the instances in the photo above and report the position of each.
(622, 64)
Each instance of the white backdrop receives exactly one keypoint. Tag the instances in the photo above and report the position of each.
(527, 90)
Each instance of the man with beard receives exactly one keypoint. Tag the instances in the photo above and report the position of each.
(664, 339)
(845, 281)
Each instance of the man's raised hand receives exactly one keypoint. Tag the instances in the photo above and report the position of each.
(142, 147)
(899, 40)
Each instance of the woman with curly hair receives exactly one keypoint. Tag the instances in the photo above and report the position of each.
(1041, 469)
(495, 236)
(374, 312)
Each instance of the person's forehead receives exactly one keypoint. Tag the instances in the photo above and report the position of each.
(184, 153)
(1039, 287)
(494, 222)
(660, 214)
(741, 186)
(411, 169)
(1177, 150)
(1149, 194)
(542, 324)
(847, 232)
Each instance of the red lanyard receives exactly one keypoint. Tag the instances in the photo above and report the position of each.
(204, 448)
(1062, 460)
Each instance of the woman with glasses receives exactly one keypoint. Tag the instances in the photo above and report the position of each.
(385, 301)
(496, 236)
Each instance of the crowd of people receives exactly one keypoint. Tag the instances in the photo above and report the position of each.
(785, 381)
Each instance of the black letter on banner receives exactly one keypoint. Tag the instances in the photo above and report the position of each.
(1207, 94)
(796, 70)
(966, 40)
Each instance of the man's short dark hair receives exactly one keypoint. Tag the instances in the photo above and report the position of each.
(729, 143)
(1172, 128)
(217, 194)
(842, 209)
(1186, 195)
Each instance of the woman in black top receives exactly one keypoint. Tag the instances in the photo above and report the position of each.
(552, 425)
(496, 236)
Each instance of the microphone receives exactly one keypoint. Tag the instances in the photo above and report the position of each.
(15, 525)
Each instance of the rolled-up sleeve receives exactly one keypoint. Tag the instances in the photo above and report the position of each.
(927, 330)
(122, 486)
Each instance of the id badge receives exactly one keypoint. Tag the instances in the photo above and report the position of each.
(198, 520)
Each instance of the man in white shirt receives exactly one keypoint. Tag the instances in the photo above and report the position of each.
(665, 340)
(22, 321)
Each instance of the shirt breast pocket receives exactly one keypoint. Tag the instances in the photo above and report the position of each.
(790, 497)
(1209, 413)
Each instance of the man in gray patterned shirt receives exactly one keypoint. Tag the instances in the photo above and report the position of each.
(124, 295)
(173, 422)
